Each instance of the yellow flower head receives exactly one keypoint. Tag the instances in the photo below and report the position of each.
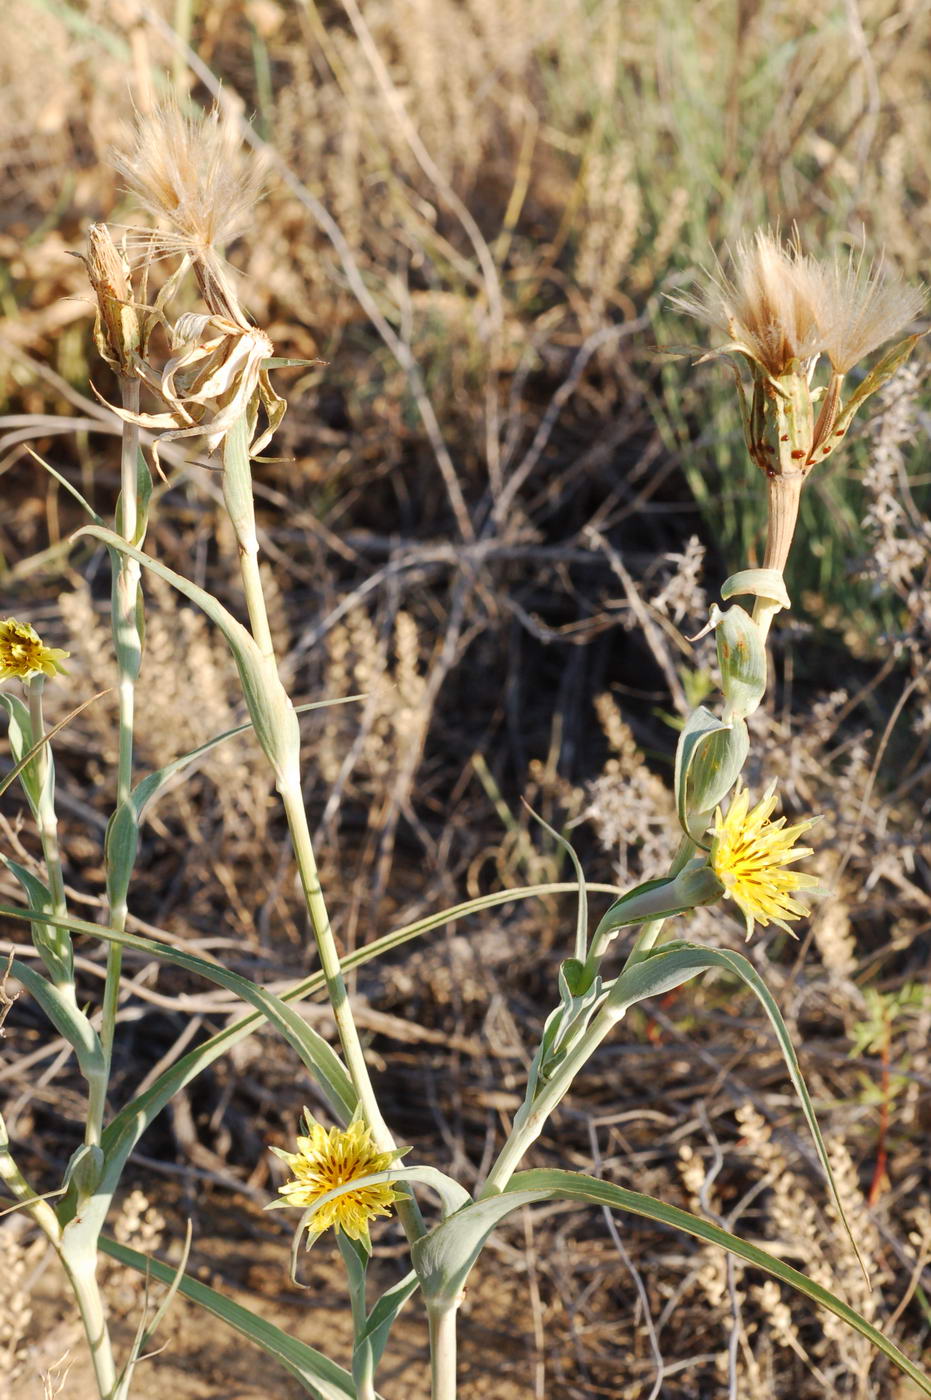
(24, 654)
(749, 855)
(327, 1158)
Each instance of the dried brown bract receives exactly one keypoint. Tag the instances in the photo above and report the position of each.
(118, 333)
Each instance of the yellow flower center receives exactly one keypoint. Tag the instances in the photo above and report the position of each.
(326, 1159)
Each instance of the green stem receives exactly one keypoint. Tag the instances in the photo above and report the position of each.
(442, 1322)
(46, 818)
(237, 492)
(81, 1268)
(649, 933)
(128, 647)
(530, 1118)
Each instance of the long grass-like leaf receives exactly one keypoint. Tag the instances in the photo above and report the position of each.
(445, 1256)
(319, 1376)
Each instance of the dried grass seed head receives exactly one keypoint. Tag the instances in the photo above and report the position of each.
(769, 305)
(864, 304)
(192, 172)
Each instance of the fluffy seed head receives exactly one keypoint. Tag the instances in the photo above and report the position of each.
(778, 305)
(24, 654)
(327, 1158)
(768, 307)
(864, 305)
(191, 171)
(749, 855)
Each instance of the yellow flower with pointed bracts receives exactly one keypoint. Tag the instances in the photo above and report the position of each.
(328, 1158)
(24, 654)
(750, 855)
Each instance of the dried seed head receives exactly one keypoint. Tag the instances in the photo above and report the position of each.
(191, 171)
(864, 304)
(117, 330)
(769, 307)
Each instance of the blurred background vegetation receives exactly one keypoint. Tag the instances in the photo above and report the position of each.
(498, 509)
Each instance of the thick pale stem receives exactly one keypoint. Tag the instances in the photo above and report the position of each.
(783, 495)
(82, 1275)
(443, 1351)
(784, 491)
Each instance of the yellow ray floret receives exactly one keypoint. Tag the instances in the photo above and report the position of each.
(24, 654)
(749, 855)
(327, 1158)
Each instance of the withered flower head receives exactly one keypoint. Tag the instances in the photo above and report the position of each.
(864, 304)
(769, 305)
(214, 377)
(191, 171)
(117, 331)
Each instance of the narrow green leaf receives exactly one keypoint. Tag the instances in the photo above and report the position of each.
(64, 1013)
(445, 1256)
(316, 1054)
(581, 920)
(270, 709)
(383, 1314)
(53, 945)
(661, 969)
(319, 1376)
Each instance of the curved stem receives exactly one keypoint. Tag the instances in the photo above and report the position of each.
(530, 1118)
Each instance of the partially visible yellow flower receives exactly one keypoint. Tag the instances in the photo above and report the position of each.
(327, 1158)
(24, 654)
(749, 855)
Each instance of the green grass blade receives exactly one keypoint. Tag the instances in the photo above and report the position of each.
(316, 1054)
(319, 1375)
(664, 968)
(445, 1256)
